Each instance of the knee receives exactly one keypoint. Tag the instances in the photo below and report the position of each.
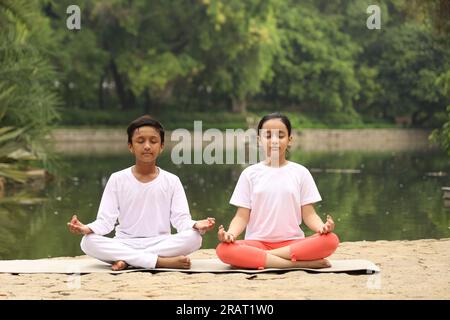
(332, 241)
(194, 239)
(197, 240)
(88, 243)
(223, 251)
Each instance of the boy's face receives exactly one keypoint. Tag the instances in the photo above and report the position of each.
(146, 144)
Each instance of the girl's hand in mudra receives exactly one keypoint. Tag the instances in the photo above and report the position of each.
(328, 226)
(225, 236)
(76, 227)
(205, 225)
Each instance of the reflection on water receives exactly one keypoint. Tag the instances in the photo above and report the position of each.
(376, 196)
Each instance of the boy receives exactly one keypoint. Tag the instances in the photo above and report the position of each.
(145, 200)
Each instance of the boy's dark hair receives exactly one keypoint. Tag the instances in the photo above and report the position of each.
(275, 115)
(145, 120)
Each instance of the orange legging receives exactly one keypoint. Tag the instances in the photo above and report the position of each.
(251, 254)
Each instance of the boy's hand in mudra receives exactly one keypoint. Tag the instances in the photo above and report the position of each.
(205, 225)
(328, 226)
(76, 227)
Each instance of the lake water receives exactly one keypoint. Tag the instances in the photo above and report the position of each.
(385, 196)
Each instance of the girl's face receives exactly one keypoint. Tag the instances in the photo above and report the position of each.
(146, 144)
(275, 139)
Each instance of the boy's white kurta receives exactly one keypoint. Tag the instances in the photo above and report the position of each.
(144, 212)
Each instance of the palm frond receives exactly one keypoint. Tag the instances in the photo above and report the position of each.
(11, 172)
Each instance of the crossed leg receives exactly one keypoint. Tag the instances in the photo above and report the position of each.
(168, 253)
(309, 252)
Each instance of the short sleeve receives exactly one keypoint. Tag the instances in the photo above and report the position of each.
(242, 193)
(308, 190)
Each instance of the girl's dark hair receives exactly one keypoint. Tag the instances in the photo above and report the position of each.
(275, 115)
(145, 121)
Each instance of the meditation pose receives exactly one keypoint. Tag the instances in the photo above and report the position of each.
(145, 200)
(273, 198)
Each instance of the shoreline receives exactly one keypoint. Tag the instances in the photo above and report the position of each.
(417, 269)
(114, 141)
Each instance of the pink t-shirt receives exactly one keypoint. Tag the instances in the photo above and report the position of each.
(275, 197)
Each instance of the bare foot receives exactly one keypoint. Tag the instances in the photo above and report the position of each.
(180, 262)
(119, 265)
(314, 264)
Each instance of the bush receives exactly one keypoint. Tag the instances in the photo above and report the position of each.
(87, 117)
(171, 119)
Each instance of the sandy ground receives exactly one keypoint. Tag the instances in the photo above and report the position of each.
(409, 270)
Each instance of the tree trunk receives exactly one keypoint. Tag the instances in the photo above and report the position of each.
(2, 187)
(147, 102)
(131, 99)
(126, 97)
(152, 105)
(443, 16)
(100, 92)
(238, 105)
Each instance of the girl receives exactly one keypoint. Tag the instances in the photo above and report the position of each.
(273, 198)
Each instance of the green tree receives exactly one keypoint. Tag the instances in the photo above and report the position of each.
(317, 56)
(411, 59)
(315, 68)
(141, 47)
(27, 98)
(238, 47)
(442, 135)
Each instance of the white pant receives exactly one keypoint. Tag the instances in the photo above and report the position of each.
(140, 252)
